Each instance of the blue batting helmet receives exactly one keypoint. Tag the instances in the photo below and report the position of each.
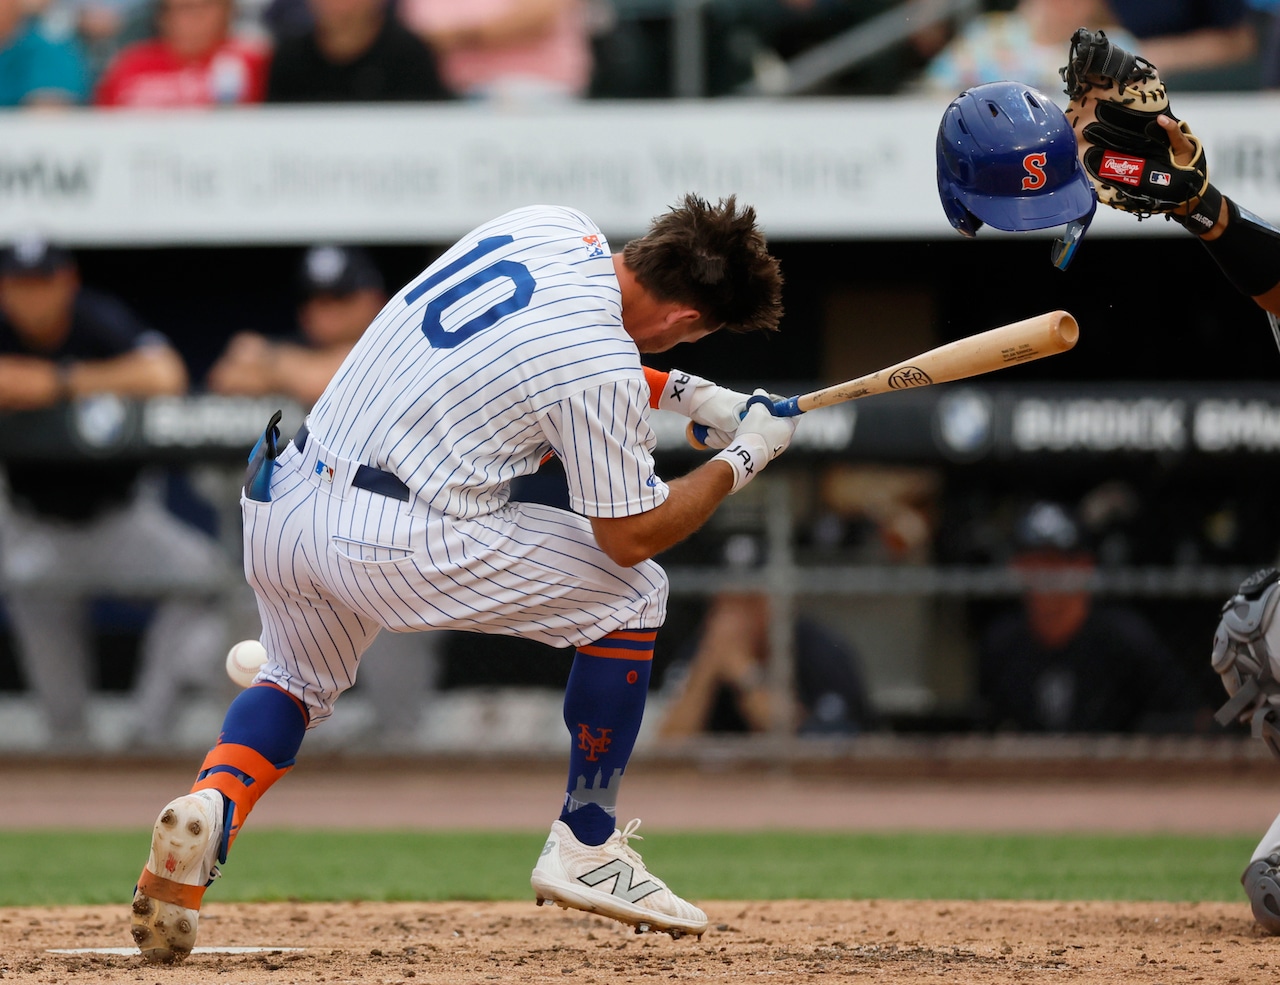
(1007, 158)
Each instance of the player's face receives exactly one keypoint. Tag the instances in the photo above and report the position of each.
(11, 14)
(330, 320)
(679, 325)
(39, 308)
(1055, 615)
(347, 11)
(194, 27)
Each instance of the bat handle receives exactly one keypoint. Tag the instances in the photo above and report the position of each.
(788, 407)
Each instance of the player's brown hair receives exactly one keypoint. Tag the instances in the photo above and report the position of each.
(713, 258)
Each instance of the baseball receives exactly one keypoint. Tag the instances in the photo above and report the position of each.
(244, 660)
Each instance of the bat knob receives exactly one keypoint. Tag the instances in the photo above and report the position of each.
(696, 435)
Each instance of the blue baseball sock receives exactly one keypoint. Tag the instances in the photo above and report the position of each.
(267, 719)
(603, 707)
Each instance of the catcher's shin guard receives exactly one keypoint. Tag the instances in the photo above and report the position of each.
(1246, 654)
(1261, 882)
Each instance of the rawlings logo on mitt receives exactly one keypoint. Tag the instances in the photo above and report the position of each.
(1116, 99)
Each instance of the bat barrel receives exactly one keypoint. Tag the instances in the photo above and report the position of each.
(1064, 328)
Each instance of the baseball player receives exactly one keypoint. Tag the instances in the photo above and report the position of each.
(1025, 164)
(389, 510)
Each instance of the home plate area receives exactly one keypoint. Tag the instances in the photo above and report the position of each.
(516, 943)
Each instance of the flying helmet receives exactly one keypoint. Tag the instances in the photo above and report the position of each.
(1007, 158)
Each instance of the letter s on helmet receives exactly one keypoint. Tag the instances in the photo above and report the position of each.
(1007, 158)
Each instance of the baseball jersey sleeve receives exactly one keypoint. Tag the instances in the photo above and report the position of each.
(603, 436)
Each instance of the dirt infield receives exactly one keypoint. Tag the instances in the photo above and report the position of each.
(516, 943)
(966, 943)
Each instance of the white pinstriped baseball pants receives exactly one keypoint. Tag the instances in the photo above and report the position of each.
(332, 564)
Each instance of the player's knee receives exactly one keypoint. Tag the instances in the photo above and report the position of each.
(1261, 882)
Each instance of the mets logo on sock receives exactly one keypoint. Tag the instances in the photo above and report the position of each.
(593, 745)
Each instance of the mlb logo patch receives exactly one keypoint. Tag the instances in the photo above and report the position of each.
(1121, 168)
(595, 245)
(324, 471)
(1160, 178)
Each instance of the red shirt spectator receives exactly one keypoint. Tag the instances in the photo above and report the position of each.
(194, 62)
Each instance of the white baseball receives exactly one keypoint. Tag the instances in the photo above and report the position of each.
(244, 660)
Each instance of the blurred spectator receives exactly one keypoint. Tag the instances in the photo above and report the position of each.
(1214, 40)
(1028, 43)
(354, 51)
(194, 61)
(70, 529)
(1060, 662)
(506, 49)
(719, 682)
(103, 27)
(342, 290)
(36, 68)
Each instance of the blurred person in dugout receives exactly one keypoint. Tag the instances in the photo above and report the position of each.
(195, 59)
(510, 50)
(38, 68)
(719, 682)
(1062, 661)
(340, 291)
(70, 530)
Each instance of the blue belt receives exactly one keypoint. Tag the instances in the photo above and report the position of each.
(366, 477)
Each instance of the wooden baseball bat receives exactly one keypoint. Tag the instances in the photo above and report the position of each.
(1009, 345)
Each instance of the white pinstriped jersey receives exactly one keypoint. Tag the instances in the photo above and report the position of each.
(508, 346)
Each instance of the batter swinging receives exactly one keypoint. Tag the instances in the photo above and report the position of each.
(389, 510)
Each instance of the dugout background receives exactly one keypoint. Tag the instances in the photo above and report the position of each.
(1150, 309)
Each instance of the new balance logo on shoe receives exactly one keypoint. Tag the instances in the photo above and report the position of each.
(623, 876)
(611, 880)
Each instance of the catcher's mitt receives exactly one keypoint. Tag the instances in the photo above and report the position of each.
(1116, 97)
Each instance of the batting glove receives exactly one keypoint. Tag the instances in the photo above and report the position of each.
(760, 438)
(704, 402)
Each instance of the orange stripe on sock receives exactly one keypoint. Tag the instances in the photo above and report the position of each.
(245, 760)
(610, 652)
(638, 635)
(231, 787)
(168, 891)
(253, 776)
(601, 648)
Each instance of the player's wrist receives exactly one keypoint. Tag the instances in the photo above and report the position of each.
(1205, 216)
(680, 392)
(746, 455)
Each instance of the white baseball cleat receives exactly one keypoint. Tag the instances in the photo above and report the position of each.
(183, 861)
(611, 879)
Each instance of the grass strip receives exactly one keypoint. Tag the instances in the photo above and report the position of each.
(76, 867)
